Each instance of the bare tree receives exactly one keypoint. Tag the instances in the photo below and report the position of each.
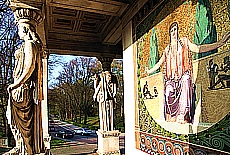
(9, 41)
(75, 86)
(117, 68)
(72, 96)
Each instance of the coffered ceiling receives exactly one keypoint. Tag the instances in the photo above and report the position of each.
(85, 27)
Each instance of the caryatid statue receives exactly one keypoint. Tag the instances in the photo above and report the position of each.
(105, 85)
(25, 94)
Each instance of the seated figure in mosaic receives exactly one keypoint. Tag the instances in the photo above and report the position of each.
(178, 84)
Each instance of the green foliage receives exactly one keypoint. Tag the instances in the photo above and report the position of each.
(55, 142)
(229, 9)
(205, 29)
(154, 54)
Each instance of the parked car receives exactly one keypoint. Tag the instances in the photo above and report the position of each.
(82, 131)
(65, 134)
(51, 128)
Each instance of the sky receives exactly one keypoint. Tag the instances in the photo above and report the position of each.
(58, 68)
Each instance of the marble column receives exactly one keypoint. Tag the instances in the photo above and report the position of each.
(27, 107)
(45, 121)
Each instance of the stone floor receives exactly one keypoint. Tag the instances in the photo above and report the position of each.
(88, 149)
(75, 150)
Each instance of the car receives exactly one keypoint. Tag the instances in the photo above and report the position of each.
(51, 121)
(82, 131)
(51, 128)
(64, 134)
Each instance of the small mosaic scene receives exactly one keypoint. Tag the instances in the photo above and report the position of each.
(183, 61)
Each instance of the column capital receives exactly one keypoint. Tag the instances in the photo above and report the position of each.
(106, 63)
(26, 15)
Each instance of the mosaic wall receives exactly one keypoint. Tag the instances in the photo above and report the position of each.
(183, 76)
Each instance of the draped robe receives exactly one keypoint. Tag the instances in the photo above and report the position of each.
(178, 83)
(25, 99)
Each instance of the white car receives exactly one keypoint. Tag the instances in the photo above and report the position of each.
(82, 131)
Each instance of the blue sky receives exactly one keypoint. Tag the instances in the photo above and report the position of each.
(57, 69)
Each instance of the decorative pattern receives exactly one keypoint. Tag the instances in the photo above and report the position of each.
(218, 136)
(28, 15)
(110, 134)
(152, 144)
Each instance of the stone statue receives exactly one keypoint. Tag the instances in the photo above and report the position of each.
(105, 86)
(25, 94)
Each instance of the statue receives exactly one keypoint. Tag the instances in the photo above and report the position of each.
(25, 94)
(147, 94)
(214, 71)
(105, 86)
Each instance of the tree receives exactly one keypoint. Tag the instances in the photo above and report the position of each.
(53, 62)
(71, 97)
(117, 68)
(75, 88)
(9, 42)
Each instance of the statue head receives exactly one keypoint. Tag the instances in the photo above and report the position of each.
(27, 21)
(23, 31)
(173, 31)
(108, 76)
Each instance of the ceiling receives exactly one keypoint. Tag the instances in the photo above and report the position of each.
(85, 27)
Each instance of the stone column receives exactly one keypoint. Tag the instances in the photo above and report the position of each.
(45, 121)
(27, 108)
(105, 94)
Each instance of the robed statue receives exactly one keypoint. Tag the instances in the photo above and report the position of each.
(25, 93)
(105, 85)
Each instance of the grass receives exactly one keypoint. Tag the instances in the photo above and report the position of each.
(55, 141)
(93, 123)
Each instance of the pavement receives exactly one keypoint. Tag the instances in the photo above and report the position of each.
(80, 147)
(87, 149)
(84, 147)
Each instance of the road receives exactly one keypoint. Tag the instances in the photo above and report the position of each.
(79, 139)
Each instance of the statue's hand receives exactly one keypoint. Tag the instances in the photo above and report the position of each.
(226, 37)
(9, 88)
(94, 97)
(147, 70)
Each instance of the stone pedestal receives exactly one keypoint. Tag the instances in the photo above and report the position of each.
(108, 142)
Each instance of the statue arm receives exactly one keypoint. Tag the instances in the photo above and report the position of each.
(29, 64)
(97, 89)
(158, 64)
(208, 47)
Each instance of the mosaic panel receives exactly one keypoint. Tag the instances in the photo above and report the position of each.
(184, 76)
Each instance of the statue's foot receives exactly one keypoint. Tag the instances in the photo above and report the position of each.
(13, 151)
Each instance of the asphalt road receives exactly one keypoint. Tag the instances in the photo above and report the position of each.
(85, 139)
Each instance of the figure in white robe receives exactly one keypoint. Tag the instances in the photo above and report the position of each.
(178, 78)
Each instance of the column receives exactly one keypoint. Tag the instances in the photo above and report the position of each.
(130, 89)
(105, 94)
(29, 121)
(45, 117)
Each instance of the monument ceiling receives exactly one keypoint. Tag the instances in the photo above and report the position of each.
(85, 27)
